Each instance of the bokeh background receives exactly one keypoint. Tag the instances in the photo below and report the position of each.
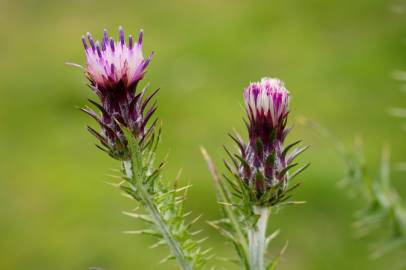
(336, 58)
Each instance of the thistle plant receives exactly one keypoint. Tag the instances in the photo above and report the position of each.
(261, 177)
(383, 208)
(129, 133)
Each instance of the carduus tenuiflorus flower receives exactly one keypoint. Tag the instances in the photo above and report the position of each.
(264, 161)
(114, 69)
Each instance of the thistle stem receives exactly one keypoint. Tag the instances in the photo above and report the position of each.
(256, 239)
(173, 244)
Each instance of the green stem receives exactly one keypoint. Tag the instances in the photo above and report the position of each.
(158, 219)
(256, 239)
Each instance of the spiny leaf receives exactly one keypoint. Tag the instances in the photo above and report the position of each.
(145, 218)
(295, 173)
(293, 187)
(271, 237)
(222, 230)
(296, 153)
(285, 170)
(146, 101)
(231, 156)
(157, 244)
(166, 259)
(274, 263)
(232, 184)
(286, 149)
(147, 232)
(238, 141)
(130, 192)
(97, 135)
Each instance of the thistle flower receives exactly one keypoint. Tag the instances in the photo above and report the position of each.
(114, 69)
(113, 62)
(263, 162)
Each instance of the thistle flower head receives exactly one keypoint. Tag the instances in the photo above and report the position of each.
(114, 69)
(110, 62)
(263, 162)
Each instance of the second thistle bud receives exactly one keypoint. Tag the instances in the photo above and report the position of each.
(267, 104)
(263, 162)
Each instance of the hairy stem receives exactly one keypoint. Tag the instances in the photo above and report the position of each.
(256, 239)
(173, 244)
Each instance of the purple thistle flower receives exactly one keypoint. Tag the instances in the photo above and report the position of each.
(114, 70)
(264, 161)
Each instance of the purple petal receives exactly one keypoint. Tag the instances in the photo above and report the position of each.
(112, 44)
(84, 43)
(121, 30)
(130, 41)
(140, 35)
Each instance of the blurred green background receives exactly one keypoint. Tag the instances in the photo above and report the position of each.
(336, 58)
